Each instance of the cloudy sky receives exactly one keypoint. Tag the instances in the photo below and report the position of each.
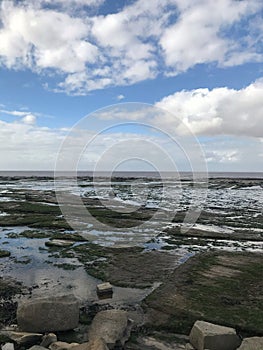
(198, 61)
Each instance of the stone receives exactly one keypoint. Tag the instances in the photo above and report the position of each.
(188, 346)
(96, 344)
(206, 335)
(48, 314)
(8, 346)
(37, 347)
(113, 326)
(104, 288)
(23, 337)
(61, 345)
(48, 339)
(58, 243)
(254, 343)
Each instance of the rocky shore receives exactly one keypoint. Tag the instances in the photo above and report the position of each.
(160, 291)
(42, 322)
(210, 297)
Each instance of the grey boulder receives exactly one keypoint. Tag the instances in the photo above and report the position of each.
(254, 343)
(113, 326)
(206, 335)
(48, 314)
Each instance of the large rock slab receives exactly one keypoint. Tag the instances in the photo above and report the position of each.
(206, 335)
(254, 343)
(113, 326)
(48, 314)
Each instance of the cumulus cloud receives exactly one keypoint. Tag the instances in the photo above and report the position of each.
(92, 51)
(40, 39)
(199, 34)
(220, 111)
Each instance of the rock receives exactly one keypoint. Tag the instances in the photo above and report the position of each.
(96, 344)
(254, 343)
(8, 346)
(206, 335)
(61, 345)
(104, 288)
(58, 243)
(113, 326)
(48, 314)
(48, 339)
(37, 347)
(188, 346)
(23, 337)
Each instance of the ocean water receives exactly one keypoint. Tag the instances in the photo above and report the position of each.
(253, 175)
(230, 202)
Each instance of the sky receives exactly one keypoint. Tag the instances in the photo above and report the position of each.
(86, 76)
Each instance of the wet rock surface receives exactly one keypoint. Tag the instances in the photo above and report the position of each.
(48, 314)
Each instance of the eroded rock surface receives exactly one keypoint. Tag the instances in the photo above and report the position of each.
(48, 314)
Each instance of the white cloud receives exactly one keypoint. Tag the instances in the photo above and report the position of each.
(29, 119)
(41, 39)
(26, 147)
(199, 34)
(138, 42)
(14, 113)
(120, 97)
(218, 111)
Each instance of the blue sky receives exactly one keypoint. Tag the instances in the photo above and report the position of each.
(200, 60)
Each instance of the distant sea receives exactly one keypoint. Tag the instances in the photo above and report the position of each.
(133, 174)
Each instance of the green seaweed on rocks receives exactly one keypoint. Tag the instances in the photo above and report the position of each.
(219, 287)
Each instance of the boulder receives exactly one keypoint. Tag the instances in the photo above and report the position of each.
(61, 345)
(48, 339)
(113, 326)
(254, 343)
(37, 347)
(8, 346)
(206, 335)
(96, 344)
(48, 314)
